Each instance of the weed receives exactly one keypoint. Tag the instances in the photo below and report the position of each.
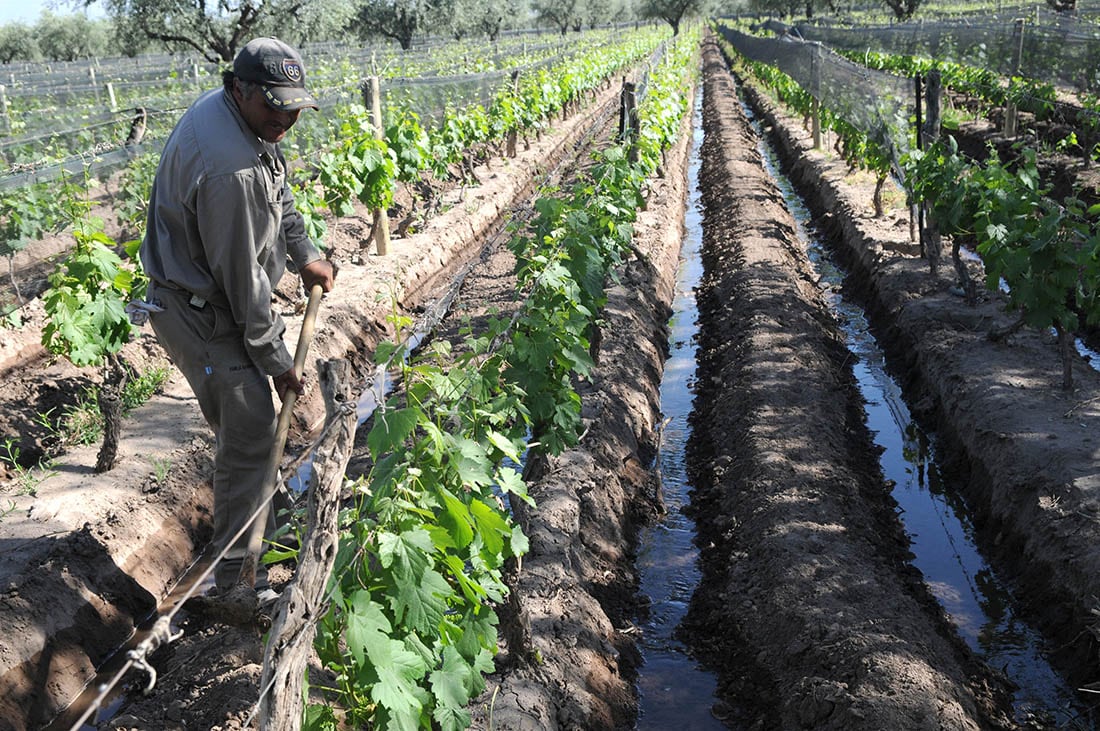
(82, 423)
(26, 478)
(160, 468)
(140, 387)
(7, 509)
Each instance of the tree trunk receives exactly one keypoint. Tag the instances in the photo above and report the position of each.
(110, 407)
(302, 603)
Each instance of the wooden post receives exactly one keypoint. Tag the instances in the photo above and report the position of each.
(916, 212)
(1017, 56)
(195, 72)
(815, 92)
(628, 118)
(290, 640)
(372, 96)
(4, 114)
(111, 96)
(512, 133)
(627, 111)
(95, 87)
(929, 133)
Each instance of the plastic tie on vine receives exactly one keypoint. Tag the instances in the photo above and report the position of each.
(139, 310)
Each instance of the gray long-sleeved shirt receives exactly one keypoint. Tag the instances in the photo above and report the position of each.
(222, 222)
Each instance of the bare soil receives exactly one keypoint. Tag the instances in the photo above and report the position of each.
(809, 611)
(1023, 449)
(824, 623)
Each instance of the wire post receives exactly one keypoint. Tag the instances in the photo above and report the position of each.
(4, 115)
(815, 94)
(1017, 57)
(513, 133)
(930, 133)
(916, 211)
(372, 96)
(287, 651)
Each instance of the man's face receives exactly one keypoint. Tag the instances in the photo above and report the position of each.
(267, 123)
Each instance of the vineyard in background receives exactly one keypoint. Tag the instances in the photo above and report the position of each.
(411, 628)
(438, 125)
(1043, 252)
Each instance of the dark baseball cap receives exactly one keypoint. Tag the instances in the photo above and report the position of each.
(279, 71)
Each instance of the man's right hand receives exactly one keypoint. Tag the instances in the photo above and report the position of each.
(320, 271)
(288, 381)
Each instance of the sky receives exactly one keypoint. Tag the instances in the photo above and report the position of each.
(28, 11)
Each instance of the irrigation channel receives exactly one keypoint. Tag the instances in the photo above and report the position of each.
(930, 506)
(673, 690)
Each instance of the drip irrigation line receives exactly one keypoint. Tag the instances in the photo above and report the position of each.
(137, 656)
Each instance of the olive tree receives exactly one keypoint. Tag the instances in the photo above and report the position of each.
(598, 12)
(903, 9)
(561, 14)
(478, 18)
(399, 20)
(71, 37)
(216, 29)
(674, 12)
(17, 43)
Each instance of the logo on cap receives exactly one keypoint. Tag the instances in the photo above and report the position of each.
(292, 70)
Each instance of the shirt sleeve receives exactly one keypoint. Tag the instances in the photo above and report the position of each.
(237, 227)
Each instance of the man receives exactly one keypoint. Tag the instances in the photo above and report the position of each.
(221, 225)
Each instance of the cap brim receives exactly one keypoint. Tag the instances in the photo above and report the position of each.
(288, 98)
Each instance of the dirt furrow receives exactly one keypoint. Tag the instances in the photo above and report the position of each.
(1023, 450)
(568, 656)
(808, 606)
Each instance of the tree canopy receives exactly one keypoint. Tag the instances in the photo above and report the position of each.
(674, 12)
(217, 29)
(18, 43)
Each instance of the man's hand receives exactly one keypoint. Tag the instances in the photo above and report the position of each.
(322, 272)
(289, 381)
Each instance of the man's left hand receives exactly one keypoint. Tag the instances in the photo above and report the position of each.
(322, 272)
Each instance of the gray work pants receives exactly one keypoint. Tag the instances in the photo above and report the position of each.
(235, 397)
